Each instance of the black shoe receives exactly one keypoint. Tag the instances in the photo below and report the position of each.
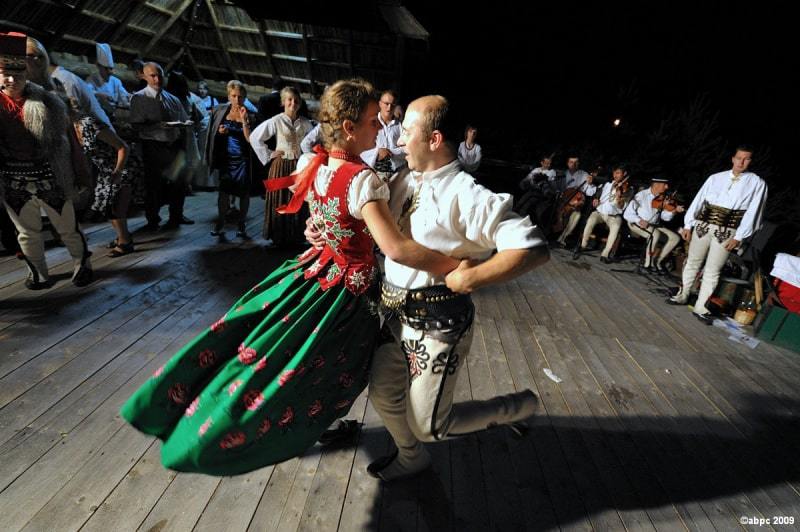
(380, 464)
(662, 270)
(30, 284)
(670, 301)
(576, 253)
(185, 221)
(706, 318)
(242, 232)
(83, 276)
(344, 433)
(605, 260)
(170, 225)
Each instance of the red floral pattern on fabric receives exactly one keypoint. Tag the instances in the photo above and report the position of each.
(318, 362)
(232, 387)
(253, 399)
(204, 427)
(262, 363)
(247, 355)
(192, 407)
(157, 373)
(344, 403)
(233, 439)
(206, 358)
(286, 376)
(315, 409)
(264, 427)
(219, 325)
(346, 380)
(287, 418)
(178, 393)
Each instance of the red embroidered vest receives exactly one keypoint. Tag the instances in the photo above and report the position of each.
(348, 252)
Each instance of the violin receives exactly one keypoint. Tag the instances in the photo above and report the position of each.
(623, 186)
(665, 202)
(572, 200)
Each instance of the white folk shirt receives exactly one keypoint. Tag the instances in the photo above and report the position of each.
(289, 135)
(457, 217)
(573, 180)
(641, 208)
(387, 138)
(608, 200)
(113, 88)
(365, 186)
(747, 193)
(470, 157)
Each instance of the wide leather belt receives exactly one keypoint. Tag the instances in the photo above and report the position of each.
(714, 214)
(430, 307)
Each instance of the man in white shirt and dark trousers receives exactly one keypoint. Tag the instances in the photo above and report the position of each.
(156, 115)
(610, 206)
(644, 221)
(728, 209)
(443, 208)
(583, 182)
(386, 157)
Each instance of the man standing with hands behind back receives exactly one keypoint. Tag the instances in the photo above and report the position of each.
(727, 209)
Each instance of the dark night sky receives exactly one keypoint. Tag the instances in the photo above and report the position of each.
(556, 68)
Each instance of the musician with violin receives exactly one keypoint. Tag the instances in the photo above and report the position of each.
(610, 205)
(579, 190)
(644, 214)
(727, 210)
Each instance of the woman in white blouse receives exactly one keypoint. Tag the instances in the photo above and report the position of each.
(289, 128)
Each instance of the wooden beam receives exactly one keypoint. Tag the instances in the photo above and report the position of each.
(309, 66)
(174, 59)
(99, 16)
(226, 56)
(122, 25)
(166, 27)
(237, 29)
(262, 26)
(63, 21)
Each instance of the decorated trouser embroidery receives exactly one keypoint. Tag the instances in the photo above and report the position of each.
(29, 226)
(657, 232)
(412, 384)
(705, 247)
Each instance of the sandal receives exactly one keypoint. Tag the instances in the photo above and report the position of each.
(121, 249)
(114, 243)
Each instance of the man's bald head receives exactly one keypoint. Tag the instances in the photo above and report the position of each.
(153, 75)
(433, 112)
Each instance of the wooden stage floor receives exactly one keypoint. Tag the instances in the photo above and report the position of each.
(659, 422)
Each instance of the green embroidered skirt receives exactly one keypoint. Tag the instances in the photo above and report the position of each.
(263, 382)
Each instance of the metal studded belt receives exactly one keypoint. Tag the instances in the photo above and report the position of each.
(714, 214)
(437, 306)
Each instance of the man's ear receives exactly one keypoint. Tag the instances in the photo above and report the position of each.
(436, 140)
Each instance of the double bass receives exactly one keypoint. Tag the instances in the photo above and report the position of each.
(572, 199)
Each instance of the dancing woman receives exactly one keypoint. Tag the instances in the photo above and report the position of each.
(264, 381)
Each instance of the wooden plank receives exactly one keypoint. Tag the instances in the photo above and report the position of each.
(270, 507)
(164, 28)
(659, 452)
(362, 503)
(234, 502)
(565, 362)
(134, 497)
(770, 451)
(567, 504)
(323, 507)
(499, 476)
